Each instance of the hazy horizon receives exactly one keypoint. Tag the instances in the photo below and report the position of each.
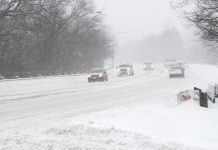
(132, 21)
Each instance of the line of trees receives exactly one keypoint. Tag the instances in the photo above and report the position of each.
(51, 37)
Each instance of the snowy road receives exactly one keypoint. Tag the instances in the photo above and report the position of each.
(68, 96)
(31, 103)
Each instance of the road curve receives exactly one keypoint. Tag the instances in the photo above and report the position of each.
(56, 98)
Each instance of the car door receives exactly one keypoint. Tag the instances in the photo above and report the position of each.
(105, 74)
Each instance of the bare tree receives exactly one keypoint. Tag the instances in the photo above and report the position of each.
(203, 14)
(53, 36)
(10, 7)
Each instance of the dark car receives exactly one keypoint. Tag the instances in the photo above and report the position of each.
(97, 75)
(1, 76)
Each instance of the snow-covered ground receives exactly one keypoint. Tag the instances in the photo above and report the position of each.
(139, 112)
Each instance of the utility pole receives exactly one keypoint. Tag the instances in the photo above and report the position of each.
(112, 60)
(112, 57)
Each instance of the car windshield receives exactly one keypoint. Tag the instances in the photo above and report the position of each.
(147, 63)
(179, 64)
(170, 60)
(124, 66)
(174, 68)
(97, 71)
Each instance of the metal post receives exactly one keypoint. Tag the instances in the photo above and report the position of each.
(112, 61)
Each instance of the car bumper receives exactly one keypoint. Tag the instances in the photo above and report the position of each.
(123, 73)
(176, 74)
(148, 68)
(95, 79)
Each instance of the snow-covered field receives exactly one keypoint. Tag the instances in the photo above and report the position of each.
(139, 112)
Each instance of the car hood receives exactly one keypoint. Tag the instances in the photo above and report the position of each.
(123, 68)
(175, 70)
(96, 73)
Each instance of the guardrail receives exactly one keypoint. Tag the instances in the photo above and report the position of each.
(36, 74)
(40, 74)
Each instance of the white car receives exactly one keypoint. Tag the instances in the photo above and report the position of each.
(180, 64)
(176, 72)
(169, 63)
(125, 70)
(148, 66)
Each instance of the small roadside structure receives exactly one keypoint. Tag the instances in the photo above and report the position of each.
(195, 94)
(199, 95)
(212, 92)
(187, 95)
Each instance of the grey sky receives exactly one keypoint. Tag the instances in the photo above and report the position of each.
(139, 17)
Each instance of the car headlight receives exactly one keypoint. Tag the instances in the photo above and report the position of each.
(100, 75)
(89, 75)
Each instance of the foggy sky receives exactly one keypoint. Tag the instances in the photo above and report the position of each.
(140, 18)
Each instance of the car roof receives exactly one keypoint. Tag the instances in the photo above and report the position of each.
(170, 59)
(97, 69)
(175, 67)
(124, 65)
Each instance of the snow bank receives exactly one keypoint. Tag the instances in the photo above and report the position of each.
(187, 126)
(153, 122)
(153, 127)
(83, 137)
